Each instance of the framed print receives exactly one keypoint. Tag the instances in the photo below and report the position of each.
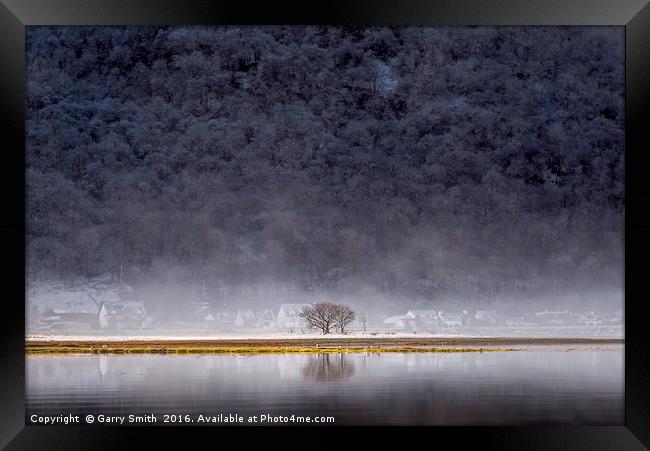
(359, 214)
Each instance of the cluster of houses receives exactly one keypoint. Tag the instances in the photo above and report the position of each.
(569, 318)
(87, 313)
(99, 306)
(427, 320)
(127, 315)
(430, 320)
(201, 314)
(85, 309)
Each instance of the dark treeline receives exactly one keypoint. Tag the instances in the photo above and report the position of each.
(428, 162)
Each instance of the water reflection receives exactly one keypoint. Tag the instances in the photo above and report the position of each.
(328, 367)
(527, 387)
(103, 364)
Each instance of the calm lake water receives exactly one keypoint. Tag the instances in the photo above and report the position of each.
(583, 386)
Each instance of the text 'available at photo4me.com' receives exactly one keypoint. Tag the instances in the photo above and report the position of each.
(170, 419)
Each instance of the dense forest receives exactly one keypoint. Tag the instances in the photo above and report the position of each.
(482, 162)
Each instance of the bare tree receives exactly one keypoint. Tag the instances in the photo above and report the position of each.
(363, 318)
(323, 316)
(343, 317)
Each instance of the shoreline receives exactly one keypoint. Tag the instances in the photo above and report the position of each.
(300, 345)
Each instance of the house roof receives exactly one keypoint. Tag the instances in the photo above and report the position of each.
(73, 306)
(449, 316)
(393, 319)
(422, 312)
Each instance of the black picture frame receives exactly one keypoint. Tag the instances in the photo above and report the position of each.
(633, 15)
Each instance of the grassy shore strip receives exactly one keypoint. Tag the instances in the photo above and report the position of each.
(298, 345)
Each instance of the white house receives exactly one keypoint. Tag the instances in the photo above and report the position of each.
(424, 314)
(421, 320)
(288, 316)
(450, 319)
(74, 305)
(245, 318)
(122, 315)
(395, 322)
(78, 312)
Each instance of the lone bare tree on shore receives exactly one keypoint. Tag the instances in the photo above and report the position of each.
(326, 316)
(322, 315)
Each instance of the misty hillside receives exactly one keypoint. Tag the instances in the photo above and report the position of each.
(482, 163)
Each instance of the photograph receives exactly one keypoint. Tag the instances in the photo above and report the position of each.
(325, 225)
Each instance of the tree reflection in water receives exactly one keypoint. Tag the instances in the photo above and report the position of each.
(328, 367)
